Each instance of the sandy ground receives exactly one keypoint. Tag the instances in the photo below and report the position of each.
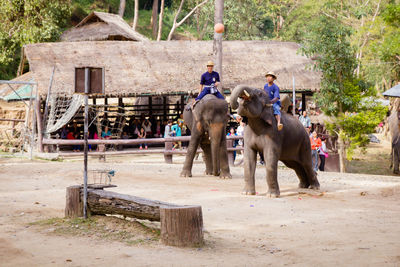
(354, 220)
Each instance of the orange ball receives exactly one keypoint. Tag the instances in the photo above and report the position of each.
(219, 28)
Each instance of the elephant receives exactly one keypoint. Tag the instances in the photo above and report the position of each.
(291, 145)
(394, 124)
(207, 122)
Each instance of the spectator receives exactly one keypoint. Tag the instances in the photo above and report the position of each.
(232, 132)
(322, 154)
(168, 131)
(147, 128)
(315, 145)
(64, 132)
(177, 132)
(142, 135)
(305, 120)
(106, 134)
(240, 132)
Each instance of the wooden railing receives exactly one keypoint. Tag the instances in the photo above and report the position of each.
(167, 151)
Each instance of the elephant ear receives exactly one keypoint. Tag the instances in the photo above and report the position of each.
(267, 114)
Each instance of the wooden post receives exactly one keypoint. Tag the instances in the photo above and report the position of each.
(39, 124)
(150, 106)
(303, 102)
(105, 108)
(168, 157)
(74, 202)
(182, 103)
(229, 144)
(182, 226)
(165, 107)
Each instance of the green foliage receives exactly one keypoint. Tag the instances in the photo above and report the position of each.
(355, 126)
(30, 21)
(342, 95)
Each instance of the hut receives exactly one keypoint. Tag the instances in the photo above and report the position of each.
(121, 70)
(100, 26)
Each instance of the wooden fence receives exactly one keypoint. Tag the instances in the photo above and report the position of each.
(167, 151)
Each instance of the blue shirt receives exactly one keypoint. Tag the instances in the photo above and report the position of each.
(273, 92)
(209, 78)
(177, 129)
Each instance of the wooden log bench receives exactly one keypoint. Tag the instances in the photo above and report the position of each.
(180, 225)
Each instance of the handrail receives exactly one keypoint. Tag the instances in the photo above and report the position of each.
(167, 151)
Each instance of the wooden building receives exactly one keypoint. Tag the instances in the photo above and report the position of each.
(124, 69)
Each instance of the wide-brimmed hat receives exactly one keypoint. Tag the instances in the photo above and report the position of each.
(271, 73)
(210, 63)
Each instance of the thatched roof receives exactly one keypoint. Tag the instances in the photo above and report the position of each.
(5, 89)
(135, 68)
(99, 26)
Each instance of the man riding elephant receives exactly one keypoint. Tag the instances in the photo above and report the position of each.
(209, 82)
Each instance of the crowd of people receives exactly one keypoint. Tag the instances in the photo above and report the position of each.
(132, 128)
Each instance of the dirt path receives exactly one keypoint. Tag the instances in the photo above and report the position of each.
(354, 219)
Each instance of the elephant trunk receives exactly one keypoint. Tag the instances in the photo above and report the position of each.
(217, 131)
(237, 92)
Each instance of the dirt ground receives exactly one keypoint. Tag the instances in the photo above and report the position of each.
(352, 221)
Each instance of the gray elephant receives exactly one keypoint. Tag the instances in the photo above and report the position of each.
(291, 145)
(394, 124)
(207, 124)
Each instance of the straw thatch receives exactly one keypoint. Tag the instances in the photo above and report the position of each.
(135, 68)
(100, 26)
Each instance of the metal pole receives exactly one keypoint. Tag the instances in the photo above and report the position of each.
(85, 137)
(294, 98)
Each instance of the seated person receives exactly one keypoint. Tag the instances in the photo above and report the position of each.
(208, 83)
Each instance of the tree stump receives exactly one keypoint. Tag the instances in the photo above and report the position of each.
(74, 202)
(181, 226)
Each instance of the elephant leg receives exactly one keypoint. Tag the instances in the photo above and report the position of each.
(300, 172)
(272, 179)
(216, 132)
(191, 152)
(250, 161)
(311, 176)
(223, 154)
(205, 146)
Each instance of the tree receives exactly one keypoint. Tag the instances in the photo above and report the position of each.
(342, 96)
(121, 10)
(160, 21)
(29, 21)
(154, 15)
(177, 24)
(218, 18)
(136, 15)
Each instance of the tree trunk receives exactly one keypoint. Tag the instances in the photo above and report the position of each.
(121, 10)
(182, 226)
(218, 18)
(107, 202)
(160, 21)
(342, 152)
(74, 202)
(154, 15)
(136, 15)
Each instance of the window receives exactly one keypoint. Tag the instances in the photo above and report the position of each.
(95, 80)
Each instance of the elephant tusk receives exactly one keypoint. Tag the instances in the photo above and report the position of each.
(246, 94)
(268, 105)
